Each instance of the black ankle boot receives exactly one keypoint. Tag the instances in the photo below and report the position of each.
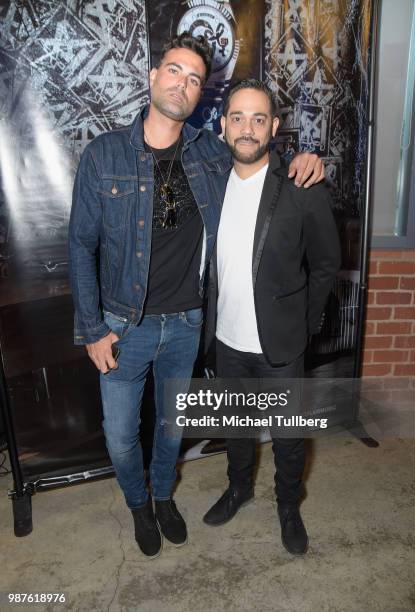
(227, 506)
(171, 522)
(147, 533)
(293, 533)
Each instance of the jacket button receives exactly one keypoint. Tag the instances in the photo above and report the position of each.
(142, 188)
(142, 157)
(139, 254)
(137, 287)
(141, 223)
(114, 190)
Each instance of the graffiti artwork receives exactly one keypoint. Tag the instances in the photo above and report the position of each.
(73, 69)
(316, 61)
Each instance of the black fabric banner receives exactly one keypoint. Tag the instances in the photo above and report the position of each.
(71, 70)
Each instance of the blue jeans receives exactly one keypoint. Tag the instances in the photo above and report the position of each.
(168, 342)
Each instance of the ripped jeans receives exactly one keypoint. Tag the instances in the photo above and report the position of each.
(169, 343)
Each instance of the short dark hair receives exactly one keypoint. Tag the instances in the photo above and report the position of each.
(197, 44)
(259, 86)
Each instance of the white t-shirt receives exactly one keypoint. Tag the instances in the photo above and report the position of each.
(236, 323)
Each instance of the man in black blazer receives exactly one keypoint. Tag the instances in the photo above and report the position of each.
(277, 255)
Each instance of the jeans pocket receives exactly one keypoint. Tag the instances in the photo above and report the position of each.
(193, 317)
(119, 325)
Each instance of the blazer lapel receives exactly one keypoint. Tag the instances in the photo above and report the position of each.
(269, 198)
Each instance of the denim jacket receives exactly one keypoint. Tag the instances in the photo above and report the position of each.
(110, 227)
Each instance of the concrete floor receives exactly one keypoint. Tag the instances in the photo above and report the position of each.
(359, 513)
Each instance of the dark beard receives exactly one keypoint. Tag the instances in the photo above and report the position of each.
(250, 158)
(253, 157)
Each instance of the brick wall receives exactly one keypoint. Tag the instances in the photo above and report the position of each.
(389, 340)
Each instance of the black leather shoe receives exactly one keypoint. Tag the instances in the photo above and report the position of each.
(147, 533)
(293, 533)
(227, 506)
(171, 522)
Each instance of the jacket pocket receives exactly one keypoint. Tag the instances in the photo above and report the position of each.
(290, 293)
(215, 172)
(292, 309)
(117, 197)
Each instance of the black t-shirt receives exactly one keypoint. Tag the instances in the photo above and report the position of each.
(173, 283)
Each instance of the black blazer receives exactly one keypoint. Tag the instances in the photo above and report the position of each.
(295, 259)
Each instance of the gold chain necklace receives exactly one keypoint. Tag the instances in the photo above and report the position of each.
(166, 192)
(166, 182)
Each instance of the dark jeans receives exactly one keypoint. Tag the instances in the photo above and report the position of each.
(289, 453)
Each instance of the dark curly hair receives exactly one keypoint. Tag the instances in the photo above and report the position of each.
(195, 43)
(253, 84)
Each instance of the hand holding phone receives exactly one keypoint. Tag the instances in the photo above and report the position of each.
(103, 353)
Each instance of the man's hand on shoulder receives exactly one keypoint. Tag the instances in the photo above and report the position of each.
(101, 353)
(307, 168)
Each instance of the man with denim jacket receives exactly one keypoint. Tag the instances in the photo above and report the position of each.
(144, 218)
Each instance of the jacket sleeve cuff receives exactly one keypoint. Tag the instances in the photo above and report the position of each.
(89, 335)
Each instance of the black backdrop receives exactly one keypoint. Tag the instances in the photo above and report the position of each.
(73, 69)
